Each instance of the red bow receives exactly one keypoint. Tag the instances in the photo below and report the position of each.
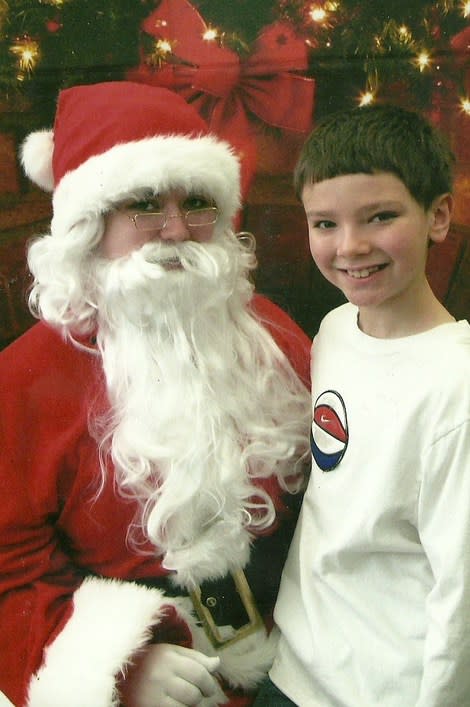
(225, 90)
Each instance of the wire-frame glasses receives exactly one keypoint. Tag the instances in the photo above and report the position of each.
(157, 220)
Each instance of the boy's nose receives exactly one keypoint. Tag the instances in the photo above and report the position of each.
(175, 228)
(353, 241)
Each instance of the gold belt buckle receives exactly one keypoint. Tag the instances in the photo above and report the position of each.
(212, 630)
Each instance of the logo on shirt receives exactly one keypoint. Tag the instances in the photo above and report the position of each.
(329, 438)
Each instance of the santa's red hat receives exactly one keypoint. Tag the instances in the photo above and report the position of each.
(112, 139)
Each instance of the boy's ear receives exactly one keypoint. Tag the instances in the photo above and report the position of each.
(440, 217)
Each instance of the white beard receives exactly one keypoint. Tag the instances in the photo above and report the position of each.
(202, 401)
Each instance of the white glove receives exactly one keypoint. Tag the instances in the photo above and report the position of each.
(170, 676)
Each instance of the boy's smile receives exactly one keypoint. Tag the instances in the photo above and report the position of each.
(369, 237)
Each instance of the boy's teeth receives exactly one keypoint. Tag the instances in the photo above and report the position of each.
(363, 273)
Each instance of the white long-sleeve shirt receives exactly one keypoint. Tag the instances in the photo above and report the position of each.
(374, 605)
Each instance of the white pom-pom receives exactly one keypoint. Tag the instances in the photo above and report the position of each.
(36, 158)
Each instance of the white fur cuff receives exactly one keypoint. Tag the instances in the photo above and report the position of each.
(110, 621)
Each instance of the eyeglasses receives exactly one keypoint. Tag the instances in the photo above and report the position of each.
(157, 220)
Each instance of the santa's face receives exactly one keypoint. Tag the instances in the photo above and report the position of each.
(173, 217)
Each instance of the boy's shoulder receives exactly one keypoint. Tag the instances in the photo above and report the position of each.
(345, 315)
(448, 373)
(453, 341)
(443, 347)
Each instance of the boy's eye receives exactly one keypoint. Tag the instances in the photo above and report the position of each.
(383, 216)
(195, 201)
(323, 225)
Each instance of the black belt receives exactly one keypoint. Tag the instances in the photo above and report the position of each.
(231, 607)
(216, 601)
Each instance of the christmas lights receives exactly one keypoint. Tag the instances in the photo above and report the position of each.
(465, 105)
(423, 60)
(366, 98)
(392, 50)
(26, 50)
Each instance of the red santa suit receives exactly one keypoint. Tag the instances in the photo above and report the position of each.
(75, 600)
(78, 596)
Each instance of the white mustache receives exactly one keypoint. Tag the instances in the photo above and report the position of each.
(189, 255)
(160, 253)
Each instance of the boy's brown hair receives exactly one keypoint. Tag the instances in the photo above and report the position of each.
(379, 138)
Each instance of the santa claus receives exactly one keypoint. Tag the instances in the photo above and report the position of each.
(154, 424)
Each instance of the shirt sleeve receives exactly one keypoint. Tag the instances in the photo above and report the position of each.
(444, 526)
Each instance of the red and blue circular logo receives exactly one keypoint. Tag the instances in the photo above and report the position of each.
(330, 436)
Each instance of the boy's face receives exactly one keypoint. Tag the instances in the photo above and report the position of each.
(369, 237)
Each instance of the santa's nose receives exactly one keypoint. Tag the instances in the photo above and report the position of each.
(175, 228)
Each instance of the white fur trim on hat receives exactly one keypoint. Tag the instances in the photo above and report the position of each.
(110, 621)
(36, 158)
(204, 164)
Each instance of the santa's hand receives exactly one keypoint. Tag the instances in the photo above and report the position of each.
(170, 676)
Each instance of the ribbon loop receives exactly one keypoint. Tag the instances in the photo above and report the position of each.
(211, 76)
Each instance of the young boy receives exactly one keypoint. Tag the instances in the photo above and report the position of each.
(375, 596)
